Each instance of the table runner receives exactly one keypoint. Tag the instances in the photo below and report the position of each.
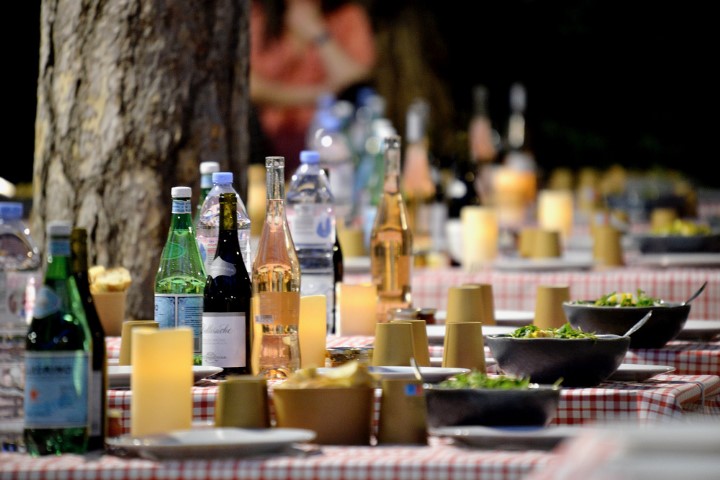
(437, 461)
(517, 290)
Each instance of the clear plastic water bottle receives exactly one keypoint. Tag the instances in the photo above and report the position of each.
(208, 225)
(311, 218)
(336, 157)
(20, 275)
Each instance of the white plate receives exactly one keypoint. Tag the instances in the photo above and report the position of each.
(119, 375)
(436, 333)
(212, 442)
(628, 372)
(566, 262)
(429, 374)
(437, 362)
(508, 438)
(678, 260)
(356, 264)
(699, 330)
(515, 318)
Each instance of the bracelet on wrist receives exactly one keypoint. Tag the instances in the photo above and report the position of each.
(322, 39)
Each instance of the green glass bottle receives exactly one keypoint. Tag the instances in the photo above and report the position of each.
(227, 328)
(98, 366)
(180, 279)
(57, 362)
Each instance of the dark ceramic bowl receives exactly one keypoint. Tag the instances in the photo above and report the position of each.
(664, 325)
(678, 243)
(579, 362)
(533, 406)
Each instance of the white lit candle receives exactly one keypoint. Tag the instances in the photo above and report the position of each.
(480, 236)
(312, 330)
(358, 309)
(555, 211)
(161, 380)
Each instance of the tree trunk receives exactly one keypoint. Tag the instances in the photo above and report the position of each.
(132, 96)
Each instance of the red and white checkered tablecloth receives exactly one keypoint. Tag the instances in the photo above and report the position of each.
(688, 358)
(517, 290)
(438, 461)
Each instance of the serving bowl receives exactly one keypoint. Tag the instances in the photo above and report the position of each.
(657, 243)
(664, 325)
(575, 362)
(534, 406)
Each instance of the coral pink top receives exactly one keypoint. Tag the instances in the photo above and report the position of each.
(283, 61)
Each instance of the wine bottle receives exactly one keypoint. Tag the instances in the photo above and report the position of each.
(276, 283)
(97, 392)
(338, 275)
(57, 359)
(180, 279)
(391, 239)
(226, 326)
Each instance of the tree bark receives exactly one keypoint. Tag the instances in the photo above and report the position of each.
(132, 96)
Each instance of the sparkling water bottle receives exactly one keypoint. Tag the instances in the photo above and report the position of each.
(311, 218)
(208, 225)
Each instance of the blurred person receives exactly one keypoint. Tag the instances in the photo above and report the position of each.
(299, 50)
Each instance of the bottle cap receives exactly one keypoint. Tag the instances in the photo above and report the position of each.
(309, 156)
(59, 228)
(329, 121)
(11, 210)
(209, 167)
(181, 192)
(222, 177)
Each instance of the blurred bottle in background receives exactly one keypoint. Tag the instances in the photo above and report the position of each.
(311, 218)
(58, 357)
(97, 391)
(336, 157)
(180, 279)
(208, 225)
(484, 142)
(206, 171)
(20, 273)
(391, 250)
(417, 183)
(276, 285)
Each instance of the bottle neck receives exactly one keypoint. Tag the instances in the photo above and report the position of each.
(228, 213)
(275, 178)
(59, 253)
(78, 246)
(181, 210)
(392, 166)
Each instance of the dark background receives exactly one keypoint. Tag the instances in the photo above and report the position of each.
(631, 83)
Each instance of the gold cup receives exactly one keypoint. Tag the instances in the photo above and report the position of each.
(403, 413)
(319, 409)
(464, 346)
(487, 312)
(126, 338)
(465, 304)
(607, 246)
(547, 244)
(548, 305)
(662, 218)
(421, 345)
(242, 402)
(352, 241)
(312, 330)
(110, 308)
(526, 241)
(393, 344)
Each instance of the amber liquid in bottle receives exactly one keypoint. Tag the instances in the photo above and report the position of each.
(391, 239)
(276, 284)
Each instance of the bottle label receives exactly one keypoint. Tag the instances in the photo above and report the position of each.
(221, 268)
(47, 302)
(181, 206)
(311, 226)
(184, 310)
(56, 389)
(223, 339)
(276, 308)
